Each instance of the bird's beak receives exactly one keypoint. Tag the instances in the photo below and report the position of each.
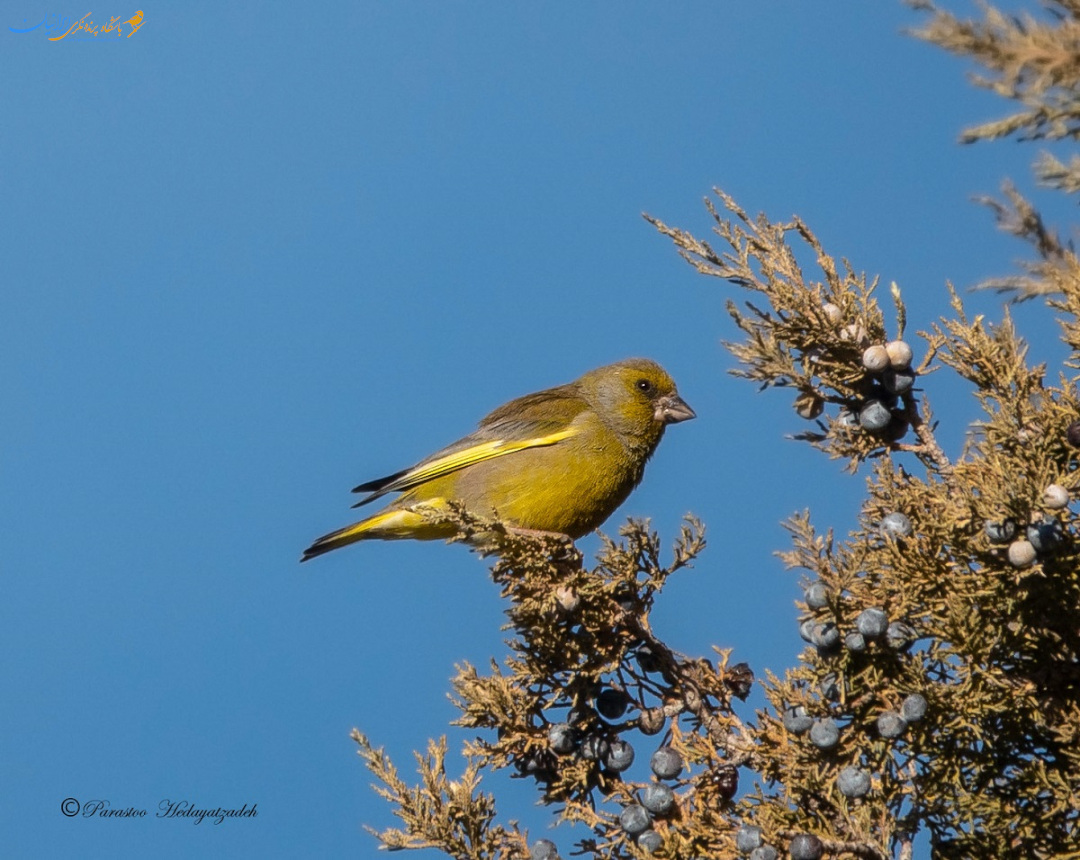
(672, 409)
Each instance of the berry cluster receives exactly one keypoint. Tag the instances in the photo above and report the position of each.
(594, 735)
(1043, 537)
(871, 624)
(887, 376)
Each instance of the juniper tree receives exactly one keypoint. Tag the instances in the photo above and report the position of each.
(939, 690)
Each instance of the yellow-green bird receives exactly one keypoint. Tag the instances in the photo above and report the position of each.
(560, 460)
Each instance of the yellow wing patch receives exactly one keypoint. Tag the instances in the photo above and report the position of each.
(477, 454)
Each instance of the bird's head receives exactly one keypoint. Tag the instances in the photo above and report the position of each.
(636, 398)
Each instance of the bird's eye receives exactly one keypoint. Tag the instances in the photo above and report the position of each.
(644, 385)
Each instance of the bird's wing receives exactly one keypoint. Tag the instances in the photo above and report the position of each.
(532, 421)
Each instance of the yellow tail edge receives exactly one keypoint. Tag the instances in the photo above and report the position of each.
(386, 525)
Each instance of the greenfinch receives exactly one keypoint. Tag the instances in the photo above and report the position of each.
(558, 461)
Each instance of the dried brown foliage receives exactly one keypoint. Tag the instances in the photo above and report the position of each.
(1031, 60)
(1036, 62)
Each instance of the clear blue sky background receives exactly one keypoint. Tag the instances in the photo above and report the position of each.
(256, 254)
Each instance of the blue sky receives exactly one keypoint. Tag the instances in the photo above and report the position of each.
(253, 257)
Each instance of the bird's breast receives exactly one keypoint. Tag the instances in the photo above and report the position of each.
(571, 487)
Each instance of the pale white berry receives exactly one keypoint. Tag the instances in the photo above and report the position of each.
(566, 598)
(899, 354)
(875, 358)
(1055, 496)
(853, 332)
(1021, 553)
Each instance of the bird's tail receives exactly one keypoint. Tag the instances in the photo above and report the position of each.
(334, 540)
(385, 525)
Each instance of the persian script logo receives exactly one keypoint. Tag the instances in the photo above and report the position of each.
(86, 29)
